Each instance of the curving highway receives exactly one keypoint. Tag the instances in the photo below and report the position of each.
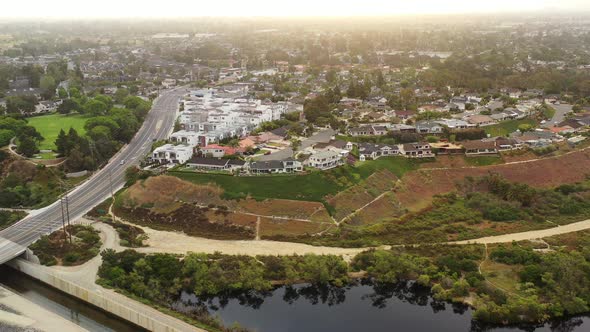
(157, 125)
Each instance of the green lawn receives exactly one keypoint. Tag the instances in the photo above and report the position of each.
(50, 125)
(313, 186)
(507, 127)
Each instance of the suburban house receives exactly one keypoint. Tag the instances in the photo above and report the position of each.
(218, 151)
(215, 164)
(479, 147)
(480, 120)
(47, 106)
(342, 147)
(404, 115)
(455, 123)
(374, 151)
(402, 128)
(416, 150)
(325, 160)
(428, 127)
(190, 138)
(368, 131)
(446, 148)
(506, 144)
(537, 138)
(172, 154)
(275, 166)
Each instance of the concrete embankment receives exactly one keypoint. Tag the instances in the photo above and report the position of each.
(105, 299)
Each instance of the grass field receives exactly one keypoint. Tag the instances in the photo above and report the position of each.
(50, 125)
(507, 127)
(309, 187)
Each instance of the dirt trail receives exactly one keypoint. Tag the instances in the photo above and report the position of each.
(531, 235)
(180, 243)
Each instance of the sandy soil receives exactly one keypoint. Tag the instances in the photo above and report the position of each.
(179, 243)
(531, 235)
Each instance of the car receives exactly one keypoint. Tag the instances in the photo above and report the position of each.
(122, 162)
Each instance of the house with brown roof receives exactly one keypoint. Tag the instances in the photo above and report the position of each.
(416, 150)
(479, 147)
(480, 120)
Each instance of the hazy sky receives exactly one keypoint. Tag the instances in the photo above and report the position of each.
(168, 8)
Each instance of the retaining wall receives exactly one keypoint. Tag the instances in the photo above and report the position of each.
(103, 302)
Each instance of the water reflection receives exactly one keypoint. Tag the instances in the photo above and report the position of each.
(362, 306)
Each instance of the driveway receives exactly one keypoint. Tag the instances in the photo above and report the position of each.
(561, 111)
(322, 136)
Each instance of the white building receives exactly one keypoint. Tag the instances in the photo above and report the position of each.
(172, 154)
(189, 138)
(169, 83)
(325, 160)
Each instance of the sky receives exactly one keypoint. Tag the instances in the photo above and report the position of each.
(188, 8)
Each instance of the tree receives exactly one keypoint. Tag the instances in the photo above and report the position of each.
(62, 93)
(120, 95)
(525, 127)
(61, 142)
(47, 83)
(21, 104)
(95, 107)
(5, 136)
(27, 146)
(295, 145)
(68, 106)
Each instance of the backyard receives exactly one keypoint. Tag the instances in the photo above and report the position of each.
(50, 125)
(314, 186)
(507, 127)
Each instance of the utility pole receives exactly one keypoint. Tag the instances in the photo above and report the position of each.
(63, 219)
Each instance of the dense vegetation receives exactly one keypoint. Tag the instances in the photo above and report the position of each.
(129, 235)
(106, 130)
(27, 137)
(56, 248)
(25, 184)
(470, 212)
(552, 284)
(8, 218)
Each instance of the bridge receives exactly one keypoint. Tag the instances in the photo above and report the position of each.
(158, 124)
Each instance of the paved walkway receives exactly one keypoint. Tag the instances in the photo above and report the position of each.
(85, 276)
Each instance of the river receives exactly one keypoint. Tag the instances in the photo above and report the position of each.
(361, 307)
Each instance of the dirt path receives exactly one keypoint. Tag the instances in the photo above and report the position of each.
(505, 164)
(353, 213)
(531, 235)
(179, 243)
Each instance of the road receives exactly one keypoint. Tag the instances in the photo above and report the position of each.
(157, 125)
(322, 136)
(561, 111)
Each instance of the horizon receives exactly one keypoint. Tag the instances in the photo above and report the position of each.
(69, 9)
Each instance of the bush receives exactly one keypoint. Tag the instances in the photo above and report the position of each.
(514, 254)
